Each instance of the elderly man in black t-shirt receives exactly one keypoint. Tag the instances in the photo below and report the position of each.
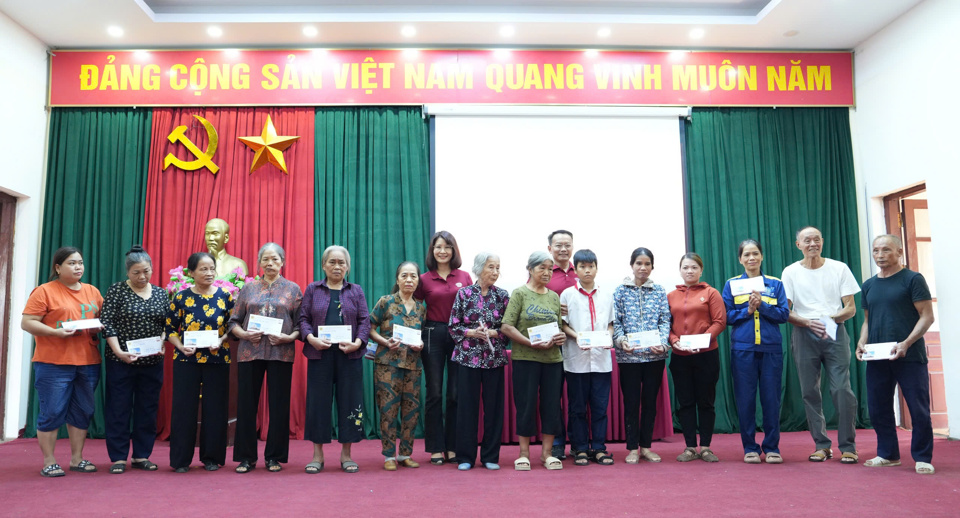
(898, 310)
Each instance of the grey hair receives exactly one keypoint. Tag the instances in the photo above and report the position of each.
(897, 242)
(137, 255)
(481, 260)
(274, 247)
(335, 248)
(536, 258)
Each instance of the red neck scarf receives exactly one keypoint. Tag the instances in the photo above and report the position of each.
(593, 308)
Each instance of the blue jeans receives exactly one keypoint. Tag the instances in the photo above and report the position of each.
(65, 394)
(750, 369)
(882, 377)
(583, 389)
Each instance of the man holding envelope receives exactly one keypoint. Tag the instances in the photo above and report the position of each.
(899, 309)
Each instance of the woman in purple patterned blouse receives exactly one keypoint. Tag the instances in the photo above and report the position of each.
(481, 352)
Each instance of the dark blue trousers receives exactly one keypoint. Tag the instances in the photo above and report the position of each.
(751, 369)
(131, 390)
(882, 377)
(588, 389)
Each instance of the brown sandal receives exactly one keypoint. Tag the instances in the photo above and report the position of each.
(821, 455)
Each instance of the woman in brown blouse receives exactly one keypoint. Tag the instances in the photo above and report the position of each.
(263, 353)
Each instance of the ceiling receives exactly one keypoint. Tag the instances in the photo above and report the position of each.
(682, 24)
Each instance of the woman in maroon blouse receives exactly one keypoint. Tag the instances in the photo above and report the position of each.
(438, 288)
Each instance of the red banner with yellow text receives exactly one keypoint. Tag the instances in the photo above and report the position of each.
(332, 77)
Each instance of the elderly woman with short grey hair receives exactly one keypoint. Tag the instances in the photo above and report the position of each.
(133, 309)
(538, 363)
(480, 351)
(265, 319)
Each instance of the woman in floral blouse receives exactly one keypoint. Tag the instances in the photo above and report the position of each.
(481, 352)
(640, 305)
(397, 367)
(203, 307)
(262, 354)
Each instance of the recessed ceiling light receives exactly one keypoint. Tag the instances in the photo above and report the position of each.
(604, 32)
(214, 32)
(310, 31)
(791, 33)
(114, 31)
(697, 33)
(592, 53)
(408, 31)
(507, 30)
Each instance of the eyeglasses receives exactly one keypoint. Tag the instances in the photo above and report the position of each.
(443, 249)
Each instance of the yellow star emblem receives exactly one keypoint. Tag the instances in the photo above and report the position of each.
(269, 147)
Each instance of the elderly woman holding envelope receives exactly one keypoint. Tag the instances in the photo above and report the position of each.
(532, 323)
(641, 332)
(756, 306)
(197, 327)
(698, 317)
(395, 324)
(265, 320)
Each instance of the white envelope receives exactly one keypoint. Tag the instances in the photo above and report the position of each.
(201, 339)
(145, 346)
(407, 335)
(881, 351)
(644, 339)
(695, 342)
(831, 326)
(266, 325)
(543, 333)
(335, 334)
(594, 338)
(746, 286)
(76, 325)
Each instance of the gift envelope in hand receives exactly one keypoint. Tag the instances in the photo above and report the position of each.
(145, 346)
(695, 342)
(594, 338)
(882, 351)
(201, 339)
(644, 339)
(746, 286)
(335, 334)
(266, 325)
(407, 335)
(88, 323)
(543, 333)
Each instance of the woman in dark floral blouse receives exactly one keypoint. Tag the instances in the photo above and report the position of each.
(481, 352)
(133, 309)
(203, 307)
(260, 354)
(397, 371)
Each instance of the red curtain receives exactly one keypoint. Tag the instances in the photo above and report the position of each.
(266, 205)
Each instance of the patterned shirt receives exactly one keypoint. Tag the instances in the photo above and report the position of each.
(190, 311)
(469, 309)
(278, 300)
(388, 312)
(527, 309)
(353, 311)
(639, 309)
(128, 316)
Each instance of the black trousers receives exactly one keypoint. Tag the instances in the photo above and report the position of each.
(249, 382)
(695, 385)
(188, 378)
(439, 434)
(474, 386)
(537, 384)
(334, 368)
(640, 386)
(131, 390)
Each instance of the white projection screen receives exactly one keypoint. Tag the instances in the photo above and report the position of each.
(503, 183)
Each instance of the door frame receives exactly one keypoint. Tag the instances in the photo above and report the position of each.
(8, 215)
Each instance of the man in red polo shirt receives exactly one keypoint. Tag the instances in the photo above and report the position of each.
(564, 275)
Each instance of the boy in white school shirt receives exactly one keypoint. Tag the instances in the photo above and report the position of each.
(588, 369)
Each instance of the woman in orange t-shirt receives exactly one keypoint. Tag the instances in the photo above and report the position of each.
(66, 361)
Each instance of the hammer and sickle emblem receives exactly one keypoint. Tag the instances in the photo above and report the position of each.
(203, 158)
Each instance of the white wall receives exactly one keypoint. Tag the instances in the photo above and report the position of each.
(905, 131)
(23, 67)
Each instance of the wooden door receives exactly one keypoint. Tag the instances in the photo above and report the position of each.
(8, 212)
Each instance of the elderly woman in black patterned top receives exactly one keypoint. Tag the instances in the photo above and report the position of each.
(262, 354)
(133, 309)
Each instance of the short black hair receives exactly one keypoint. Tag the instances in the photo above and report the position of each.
(641, 251)
(747, 242)
(584, 256)
(194, 260)
(555, 232)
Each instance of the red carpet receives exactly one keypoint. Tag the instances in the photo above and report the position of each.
(729, 488)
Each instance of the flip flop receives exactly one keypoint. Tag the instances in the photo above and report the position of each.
(118, 467)
(313, 468)
(552, 463)
(349, 466)
(85, 466)
(52, 471)
(521, 464)
(925, 468)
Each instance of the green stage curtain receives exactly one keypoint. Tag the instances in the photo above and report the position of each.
(373, 197)
(94, 200)
(763, 174)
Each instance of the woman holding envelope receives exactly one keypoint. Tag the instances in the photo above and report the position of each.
(334, 324)
(197, 327)
(396, 372)
(481, 352)
(756, 306)
(265, 320)
(66, 361)
(641, 332)
(133, 319)
(532, 323)
(698, 317)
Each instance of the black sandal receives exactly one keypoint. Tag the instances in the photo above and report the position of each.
(273, 466)
(144, 464)
(437, 461)
(53, 470)
(118, 468)
(85, 466)
(581, 459)
(245, 467)
(601, 457)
